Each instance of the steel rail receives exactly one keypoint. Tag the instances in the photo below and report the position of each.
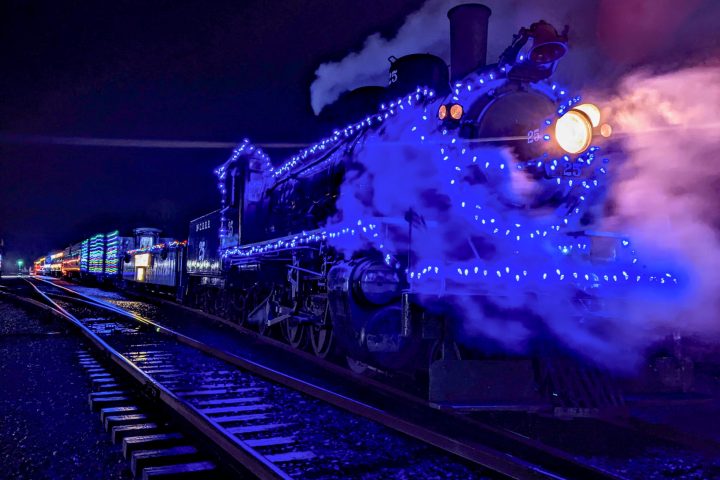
(233, 447)
(506, 464)
(543, 453)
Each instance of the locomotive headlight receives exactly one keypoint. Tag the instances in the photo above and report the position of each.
(442, 112)
(573, 131)
(376, 283)
(592, 111)
(456, 111)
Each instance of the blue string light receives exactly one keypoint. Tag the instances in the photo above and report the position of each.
(537, 250)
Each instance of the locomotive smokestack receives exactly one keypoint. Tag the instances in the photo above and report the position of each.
(468, 38)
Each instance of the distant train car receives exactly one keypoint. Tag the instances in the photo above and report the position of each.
(205, 276)
(37, 267)
(100, 256)
(71, 262)
(156, 265)
(54, 267)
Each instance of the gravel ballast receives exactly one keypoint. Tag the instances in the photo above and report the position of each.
(47, 430)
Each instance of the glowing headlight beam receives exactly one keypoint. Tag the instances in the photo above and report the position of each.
(592, 111)
(573, 131)
(456, 111)
(442, 112)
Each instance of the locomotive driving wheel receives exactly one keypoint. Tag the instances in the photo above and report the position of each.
(263, 328)
(237, 307)
(295, 333)
(322, 337)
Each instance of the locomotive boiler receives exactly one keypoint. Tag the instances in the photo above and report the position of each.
(465, 195)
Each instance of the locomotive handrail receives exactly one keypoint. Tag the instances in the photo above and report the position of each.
(317, 274)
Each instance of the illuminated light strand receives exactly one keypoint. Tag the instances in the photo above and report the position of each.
(489, 221)
(112, 258)
(571, 195)
(174, 245)
(386, 111)
(575, 191)
(498, 272)
(97, 253)
(84, 251)
(551, 90)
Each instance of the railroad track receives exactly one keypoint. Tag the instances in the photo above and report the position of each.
(276, 426)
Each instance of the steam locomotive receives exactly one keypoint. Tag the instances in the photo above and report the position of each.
(306, 249)
(340, 251)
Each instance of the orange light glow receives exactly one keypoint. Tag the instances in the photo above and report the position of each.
(456, 111)
(606, 130)
(573, 131)
(442, 112)
(592, 111)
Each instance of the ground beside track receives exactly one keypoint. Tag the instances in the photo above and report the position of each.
(610, 448)
(47, 430)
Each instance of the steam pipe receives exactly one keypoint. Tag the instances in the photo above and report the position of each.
(468, 38)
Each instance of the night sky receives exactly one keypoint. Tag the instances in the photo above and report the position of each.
(226, 70)
(171, 70)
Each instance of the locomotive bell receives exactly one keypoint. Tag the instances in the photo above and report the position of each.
(548, 45)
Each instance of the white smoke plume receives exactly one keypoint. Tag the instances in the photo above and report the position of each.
(608, 38)
(662, 196)
(666, 192)
(666, 182)
(426, 31)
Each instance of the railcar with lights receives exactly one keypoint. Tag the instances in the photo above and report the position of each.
(54, 268)
(286, 254)
(155, 264)
(70, 267)
(97, 259)
(37, 266)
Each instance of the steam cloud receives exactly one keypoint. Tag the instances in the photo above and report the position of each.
(424, 31)
(666, 191)
(665, 183)
(607, 39)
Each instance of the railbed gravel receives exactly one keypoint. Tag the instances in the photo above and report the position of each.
(46, 428)
(345, 445)
(650, 462)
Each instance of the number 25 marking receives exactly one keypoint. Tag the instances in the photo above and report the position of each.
(571, 170)
(533, 136)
